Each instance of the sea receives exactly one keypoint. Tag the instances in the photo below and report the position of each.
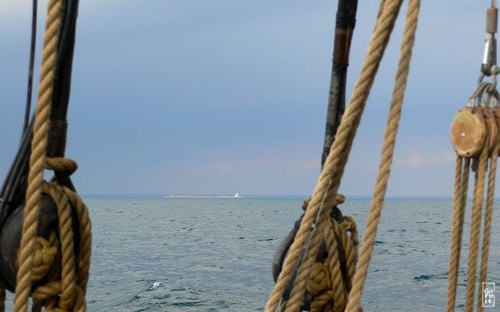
(152, 253)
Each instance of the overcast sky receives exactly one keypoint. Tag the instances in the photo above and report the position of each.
(223, 96)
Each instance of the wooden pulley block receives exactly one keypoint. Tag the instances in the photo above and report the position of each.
(11, 234)
(492, 128)
(468, 132)
(496, 112)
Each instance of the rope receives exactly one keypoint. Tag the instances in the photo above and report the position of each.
(37, 159)
(475, 229)
(330, 278)
(460, 197)
(44, 256)
(67, 269)
(488, 217)
(334, 166)
(387, 156)
(489, 152)
(66, 289)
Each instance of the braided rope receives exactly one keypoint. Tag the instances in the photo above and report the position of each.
(386, 21)
(45, 254)
(335, 163)
(85, 246)
(37, 159)
(475, 229)
(328, 285)
(66, 291)
(68, 274)
(387, 156)
(351, 247)
(488, 217)
(460, 196)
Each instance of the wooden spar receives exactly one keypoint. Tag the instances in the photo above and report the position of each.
(56, 144)
(344, 27)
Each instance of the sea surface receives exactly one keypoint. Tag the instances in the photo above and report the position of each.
(215, 254)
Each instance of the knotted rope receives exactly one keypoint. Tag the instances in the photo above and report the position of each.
(308, 238)
(332, 273)
(65, 289)
(66, 286)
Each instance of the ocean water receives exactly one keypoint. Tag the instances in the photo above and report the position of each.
(167, 254)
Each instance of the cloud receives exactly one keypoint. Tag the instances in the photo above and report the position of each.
(420, 159)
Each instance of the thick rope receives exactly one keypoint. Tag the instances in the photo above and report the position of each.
(334, 166)
(330, 279)
(460, 197)
(37, 159)
(387, 156)
(44, 256)
(488, 217)
(68, 274)
(475, 229)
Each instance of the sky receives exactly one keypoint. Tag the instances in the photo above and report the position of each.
(223, 96)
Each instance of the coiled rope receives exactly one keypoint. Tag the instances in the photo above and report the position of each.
(308, 238)
(66, 286)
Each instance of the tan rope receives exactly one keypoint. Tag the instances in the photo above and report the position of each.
(381, 35)
(37, 159)
(387, 156)
(85, 234)
(68, 274)
(334, 166)
(488, 217)
(328, 285)
(460, 197)
(44, 256)
(66, 290)
(475, 229)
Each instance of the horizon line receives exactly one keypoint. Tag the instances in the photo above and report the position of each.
(180, 195)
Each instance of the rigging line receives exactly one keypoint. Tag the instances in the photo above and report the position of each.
(31, 66)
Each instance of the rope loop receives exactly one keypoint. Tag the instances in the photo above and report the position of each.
(66, 165)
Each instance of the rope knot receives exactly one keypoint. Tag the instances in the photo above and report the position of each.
(48, 295)
(45, 254)
(61, 164)
(339, 199)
